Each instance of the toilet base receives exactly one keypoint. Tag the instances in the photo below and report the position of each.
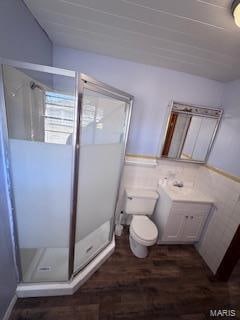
(138, 250)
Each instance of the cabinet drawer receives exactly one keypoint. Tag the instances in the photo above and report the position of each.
(190, 208)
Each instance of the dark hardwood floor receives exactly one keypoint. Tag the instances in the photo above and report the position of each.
(172, 283)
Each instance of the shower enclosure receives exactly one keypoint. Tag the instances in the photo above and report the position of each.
(65, 136)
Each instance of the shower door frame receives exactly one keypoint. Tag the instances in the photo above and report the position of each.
(87, 82)
(81, 81)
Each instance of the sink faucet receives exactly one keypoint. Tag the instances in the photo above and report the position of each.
(178, 184)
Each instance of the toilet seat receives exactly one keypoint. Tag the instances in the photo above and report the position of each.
(143, 230)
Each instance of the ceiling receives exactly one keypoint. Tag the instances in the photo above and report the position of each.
(194, 36)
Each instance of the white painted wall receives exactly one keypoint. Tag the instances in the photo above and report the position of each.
(21, 36)
(226, 152)
(225, 217)
(152, 87)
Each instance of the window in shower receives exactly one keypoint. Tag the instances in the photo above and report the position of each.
(58, 117)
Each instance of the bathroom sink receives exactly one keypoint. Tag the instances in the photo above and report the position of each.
(186, 194)
(181, 190)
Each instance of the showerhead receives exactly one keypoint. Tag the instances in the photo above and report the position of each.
(33, 86)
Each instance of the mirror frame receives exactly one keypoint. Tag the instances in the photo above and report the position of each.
(201, 111)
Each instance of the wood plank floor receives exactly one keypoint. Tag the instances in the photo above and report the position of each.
(172, 283)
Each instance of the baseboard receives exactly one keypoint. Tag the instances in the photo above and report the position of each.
(160, 242)
(10, 308)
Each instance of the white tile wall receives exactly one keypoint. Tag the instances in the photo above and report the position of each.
(224, 219)
(146, 174)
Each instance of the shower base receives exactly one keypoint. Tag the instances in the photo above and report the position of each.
(65, 288)
(51, 264)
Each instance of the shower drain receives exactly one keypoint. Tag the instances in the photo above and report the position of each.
(44, 268)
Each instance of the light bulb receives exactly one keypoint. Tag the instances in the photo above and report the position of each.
(236, 12)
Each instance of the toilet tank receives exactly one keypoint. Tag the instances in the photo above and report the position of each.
(140, 201)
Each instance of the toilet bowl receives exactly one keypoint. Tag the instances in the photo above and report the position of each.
(140, 203)
(143, 233)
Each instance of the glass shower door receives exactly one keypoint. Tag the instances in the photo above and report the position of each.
(40, 114)
(102, 137)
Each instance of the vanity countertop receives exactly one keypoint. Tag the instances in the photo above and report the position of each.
(185, 194)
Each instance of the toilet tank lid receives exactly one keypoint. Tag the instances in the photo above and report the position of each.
(141, 193)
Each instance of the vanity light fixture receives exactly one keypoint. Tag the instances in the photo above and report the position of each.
(236, 11)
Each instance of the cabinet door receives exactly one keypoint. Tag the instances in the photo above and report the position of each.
(174, 228)
(193, 227)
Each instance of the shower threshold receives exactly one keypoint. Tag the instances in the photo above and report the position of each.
(25, 290)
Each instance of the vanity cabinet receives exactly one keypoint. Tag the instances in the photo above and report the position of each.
(183, 226)
(193, 227)
(180, 221)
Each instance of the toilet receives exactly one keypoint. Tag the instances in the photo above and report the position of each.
(143, 233)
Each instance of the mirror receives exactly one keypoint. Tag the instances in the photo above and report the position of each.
(190, 132)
